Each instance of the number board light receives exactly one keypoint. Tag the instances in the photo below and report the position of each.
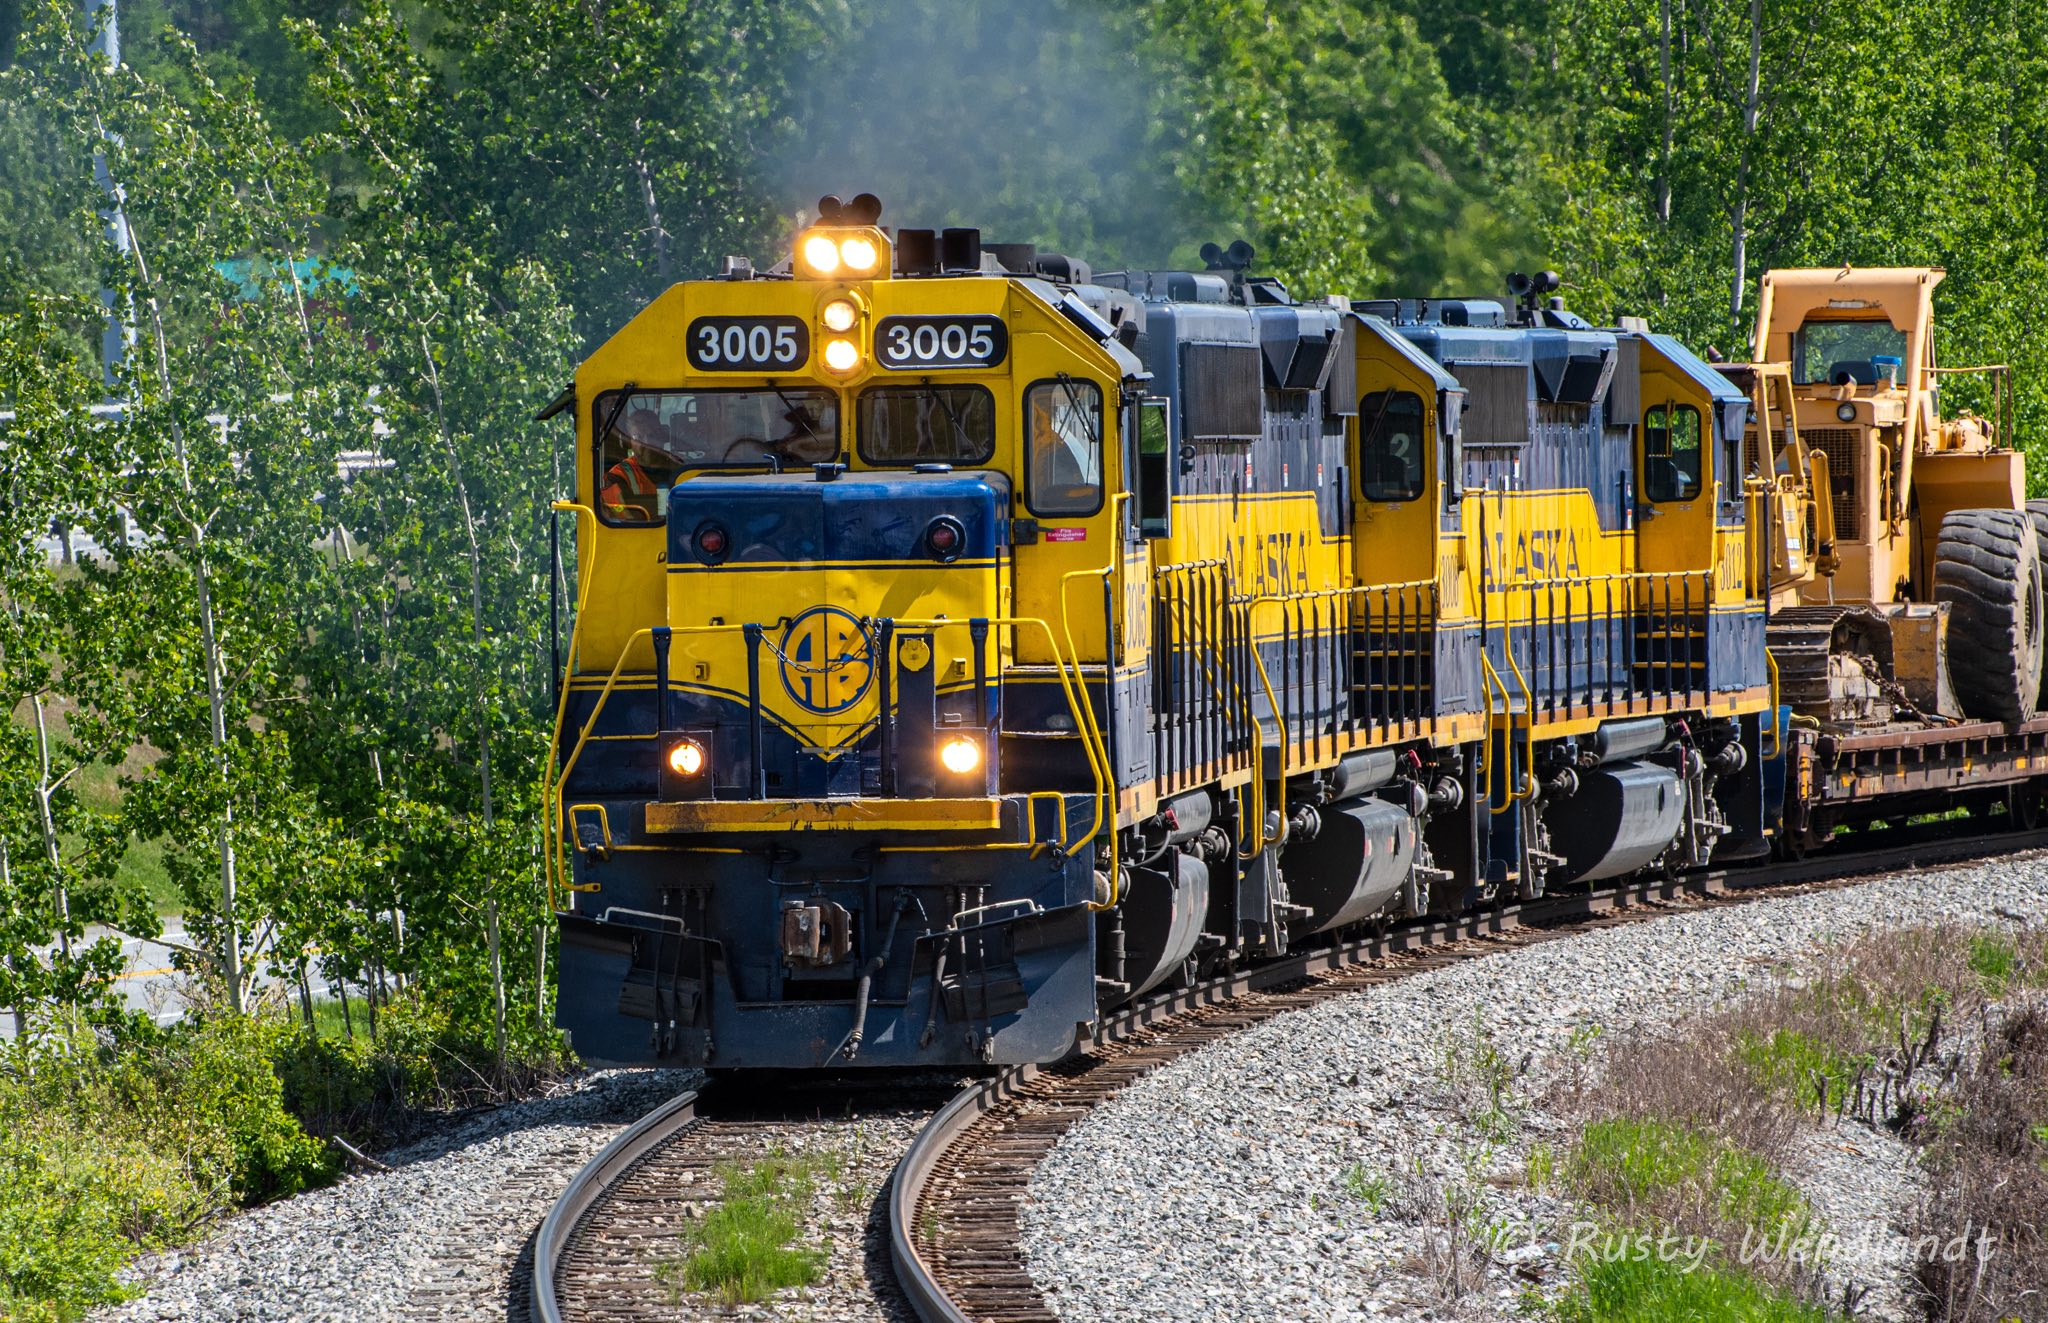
(748, 344)
(924, 343)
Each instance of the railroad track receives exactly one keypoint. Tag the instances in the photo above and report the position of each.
(953, 1204)
(954, 1236)
(598, 1254)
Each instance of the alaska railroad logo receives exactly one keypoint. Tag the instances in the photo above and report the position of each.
(827, 663)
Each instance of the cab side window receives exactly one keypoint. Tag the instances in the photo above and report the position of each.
(1063, 447)
(1671, 452)
(1390, 450)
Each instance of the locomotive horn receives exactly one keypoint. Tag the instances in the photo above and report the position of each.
(865, 209)
(830, 207)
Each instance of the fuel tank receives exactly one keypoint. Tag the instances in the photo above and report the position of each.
(1624, 815)
(1163, 915)
(1356, 862)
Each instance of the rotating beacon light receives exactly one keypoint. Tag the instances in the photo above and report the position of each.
(845, 243)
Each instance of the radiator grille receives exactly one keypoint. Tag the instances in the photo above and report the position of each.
(1839, 445)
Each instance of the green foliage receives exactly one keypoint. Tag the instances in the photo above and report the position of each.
(1629, 1289)
(104, 1153)
(1369, 1187)
(1628, 1163)
(1795, 1063)
(740, 1252)
(1483, 1077)
(1995, 959)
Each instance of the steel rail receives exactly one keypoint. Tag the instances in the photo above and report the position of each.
(588, 1188)
(916, 1274)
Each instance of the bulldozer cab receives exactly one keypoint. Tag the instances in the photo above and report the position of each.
(1859, 347)
(1918, 527)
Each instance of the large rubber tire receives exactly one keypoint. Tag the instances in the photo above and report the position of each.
(1987, 567)
(2038, 512)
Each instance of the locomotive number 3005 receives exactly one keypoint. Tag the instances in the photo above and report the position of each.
(940, 342)
(748, 344)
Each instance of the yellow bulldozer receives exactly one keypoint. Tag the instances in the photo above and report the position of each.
(1906, 563)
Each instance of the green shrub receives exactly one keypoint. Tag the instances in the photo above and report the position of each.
(1993, 958)
(85, 1181)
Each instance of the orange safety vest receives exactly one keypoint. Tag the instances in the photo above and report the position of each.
(627, 479)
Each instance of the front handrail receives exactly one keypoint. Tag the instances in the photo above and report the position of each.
(1067, 668)
(550, 827)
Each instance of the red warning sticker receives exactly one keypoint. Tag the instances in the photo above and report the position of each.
(1066, 535)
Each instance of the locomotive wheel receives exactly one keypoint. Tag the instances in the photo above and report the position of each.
(1987, 567)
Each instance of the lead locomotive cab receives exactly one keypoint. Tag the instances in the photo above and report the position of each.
(832, 777)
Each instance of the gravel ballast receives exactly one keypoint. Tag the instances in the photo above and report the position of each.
(1296, 1170)
(436, 1237)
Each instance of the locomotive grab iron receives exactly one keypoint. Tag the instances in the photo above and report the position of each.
(967, 642)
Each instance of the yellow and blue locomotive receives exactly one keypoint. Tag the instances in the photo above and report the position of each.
(967, 642)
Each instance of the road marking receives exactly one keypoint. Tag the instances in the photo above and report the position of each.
(145, 973)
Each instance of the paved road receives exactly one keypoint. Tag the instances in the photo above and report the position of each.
(149, 983)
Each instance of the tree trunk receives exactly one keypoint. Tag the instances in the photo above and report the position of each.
(1739, 217)
(209, 644)
(483, 712)
(7, 889)
(540, 977)
(47, 822)
(657, 233)
(1664, 70)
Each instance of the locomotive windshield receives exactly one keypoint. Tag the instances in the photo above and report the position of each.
(1845, 352)
(926, 425)
(647, 439)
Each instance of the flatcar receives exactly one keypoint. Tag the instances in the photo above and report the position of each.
(967, 642)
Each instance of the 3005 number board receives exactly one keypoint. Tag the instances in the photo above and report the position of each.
(748, 344)
(903, 343)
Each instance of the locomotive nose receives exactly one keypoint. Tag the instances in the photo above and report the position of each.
(864, 599)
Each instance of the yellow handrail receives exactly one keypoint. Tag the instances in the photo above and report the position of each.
(1528, 790)
(1251, 628)
(1084, 723)
(558, 857)
(1487, 679)
(1777, 735)
(550, 827)
(1106, 776)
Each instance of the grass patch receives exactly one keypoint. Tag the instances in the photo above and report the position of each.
(1628, 1289)
(1682, 1176)
(742, 1251)
(1368, 1187)
(1995, 959)
(1799, 1065)
(1482, 1079)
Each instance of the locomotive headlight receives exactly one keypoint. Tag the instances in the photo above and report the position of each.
(1846, 412)
(839, 315)
(686, 758)
(859, 254)
(960, 755)
(842, 355)
(821, 254)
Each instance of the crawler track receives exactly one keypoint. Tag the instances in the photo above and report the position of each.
(953, 1207)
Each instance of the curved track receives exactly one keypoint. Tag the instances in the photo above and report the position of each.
(954, 1203)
